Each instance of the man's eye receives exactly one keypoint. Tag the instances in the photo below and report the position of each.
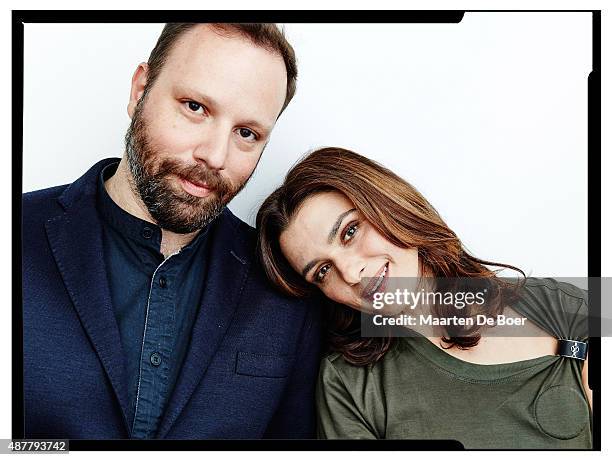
(320, 275)
(350, 232)
(195, 107)
(247, 134)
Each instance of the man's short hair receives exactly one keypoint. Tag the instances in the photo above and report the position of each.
(267, 35)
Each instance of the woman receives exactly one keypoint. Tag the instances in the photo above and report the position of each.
(343, 225)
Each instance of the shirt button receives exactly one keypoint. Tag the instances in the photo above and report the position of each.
(155, 359)
(147, 233)
(162, 282)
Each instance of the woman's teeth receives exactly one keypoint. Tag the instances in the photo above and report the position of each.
(379, 281)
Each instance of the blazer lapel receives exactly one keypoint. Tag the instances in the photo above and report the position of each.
(226, 275)
(75, 238)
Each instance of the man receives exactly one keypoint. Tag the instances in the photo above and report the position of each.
(145, 313)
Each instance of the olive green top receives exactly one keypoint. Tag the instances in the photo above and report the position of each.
(418, 391)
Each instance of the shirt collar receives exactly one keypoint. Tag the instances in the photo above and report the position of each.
(137, 230)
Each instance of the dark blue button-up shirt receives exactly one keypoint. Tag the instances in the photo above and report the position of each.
(155, 301)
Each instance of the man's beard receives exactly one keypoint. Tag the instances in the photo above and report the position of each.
(151, 179)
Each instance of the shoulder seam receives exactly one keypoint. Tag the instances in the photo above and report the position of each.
(562, 289)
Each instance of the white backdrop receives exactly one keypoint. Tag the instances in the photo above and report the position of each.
(487, 118)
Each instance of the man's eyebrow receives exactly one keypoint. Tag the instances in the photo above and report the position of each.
(330, 238)
(198, 95)
(263, 129)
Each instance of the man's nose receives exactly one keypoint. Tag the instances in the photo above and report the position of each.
(351, 269)
(213, 150)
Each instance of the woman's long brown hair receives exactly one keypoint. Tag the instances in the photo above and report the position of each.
(402, 216)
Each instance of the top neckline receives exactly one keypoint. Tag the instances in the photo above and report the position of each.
(466, 370)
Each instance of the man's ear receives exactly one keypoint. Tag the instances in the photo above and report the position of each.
(139, 82)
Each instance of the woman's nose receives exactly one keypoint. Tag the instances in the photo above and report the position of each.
(351, 269)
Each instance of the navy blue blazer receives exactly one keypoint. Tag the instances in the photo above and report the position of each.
(251, 366)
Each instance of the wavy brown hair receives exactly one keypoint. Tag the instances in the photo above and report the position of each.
(401, 215)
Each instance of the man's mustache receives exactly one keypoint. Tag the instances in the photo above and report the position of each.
(197, 174)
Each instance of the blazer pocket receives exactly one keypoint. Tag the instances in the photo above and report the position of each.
(257, 365)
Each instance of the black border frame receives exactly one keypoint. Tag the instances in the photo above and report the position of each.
(20, 17)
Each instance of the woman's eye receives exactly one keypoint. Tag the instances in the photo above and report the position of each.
(195, 107)
(322, 272)
(247, 134)
(350, 232)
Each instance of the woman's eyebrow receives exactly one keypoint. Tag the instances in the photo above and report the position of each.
(330, 238)
(334, 230)
(308, 266)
